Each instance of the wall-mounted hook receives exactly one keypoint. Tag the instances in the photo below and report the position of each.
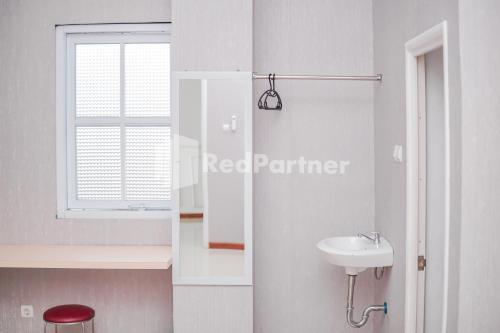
(226, 127)
(233, 123)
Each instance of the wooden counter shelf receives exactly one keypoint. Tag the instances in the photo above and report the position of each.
(86, 256)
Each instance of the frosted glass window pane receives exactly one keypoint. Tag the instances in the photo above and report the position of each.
(97, 80)
(147, 163)
(147, 80)
(98, 163)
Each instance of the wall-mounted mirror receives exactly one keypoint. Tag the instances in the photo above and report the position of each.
(212, 223)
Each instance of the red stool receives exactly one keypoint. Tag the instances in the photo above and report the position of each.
(69, 314)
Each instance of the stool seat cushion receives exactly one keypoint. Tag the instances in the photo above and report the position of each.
(69, 313)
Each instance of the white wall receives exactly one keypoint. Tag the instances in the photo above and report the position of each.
(27, 129)
(190, 197)
(226, 191)
(435, 199)
(396, 22)
(212, 36)
(128, 301)
(480, 247)
(28, 177)
(296, 291)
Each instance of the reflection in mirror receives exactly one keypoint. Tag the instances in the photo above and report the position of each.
(213, 178)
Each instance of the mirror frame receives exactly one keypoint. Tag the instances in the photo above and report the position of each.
(247, 278)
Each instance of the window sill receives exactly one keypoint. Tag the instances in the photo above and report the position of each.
(114, 214)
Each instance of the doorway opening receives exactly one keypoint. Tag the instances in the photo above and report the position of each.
(427, 201)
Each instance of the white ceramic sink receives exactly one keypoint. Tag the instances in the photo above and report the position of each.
(356, 254)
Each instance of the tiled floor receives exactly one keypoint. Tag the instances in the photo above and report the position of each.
(197, 260)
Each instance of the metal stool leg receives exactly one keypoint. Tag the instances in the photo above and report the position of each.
(93, 329)
(45, 328)
(56, 327)
(83, 327)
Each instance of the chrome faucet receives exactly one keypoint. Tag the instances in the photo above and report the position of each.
(375, 237)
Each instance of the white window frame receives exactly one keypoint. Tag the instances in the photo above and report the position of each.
(66, 37)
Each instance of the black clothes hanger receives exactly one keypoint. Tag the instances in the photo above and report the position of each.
(271, 92)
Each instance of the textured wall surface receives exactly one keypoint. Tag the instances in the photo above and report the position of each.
(212, 36)
(435, 203)
(28, 126)
(226, 191)
(190, 197)
(213, 309)
(396, 22)
(296, 291)
(126, 301)
(479, 265)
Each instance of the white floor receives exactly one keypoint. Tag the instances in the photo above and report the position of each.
(197, 260)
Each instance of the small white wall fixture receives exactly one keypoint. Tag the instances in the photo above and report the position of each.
(428, 41)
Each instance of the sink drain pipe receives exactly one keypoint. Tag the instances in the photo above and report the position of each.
(366, 311)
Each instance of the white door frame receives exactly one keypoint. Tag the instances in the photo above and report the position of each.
(432, 39)
(422, 188)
